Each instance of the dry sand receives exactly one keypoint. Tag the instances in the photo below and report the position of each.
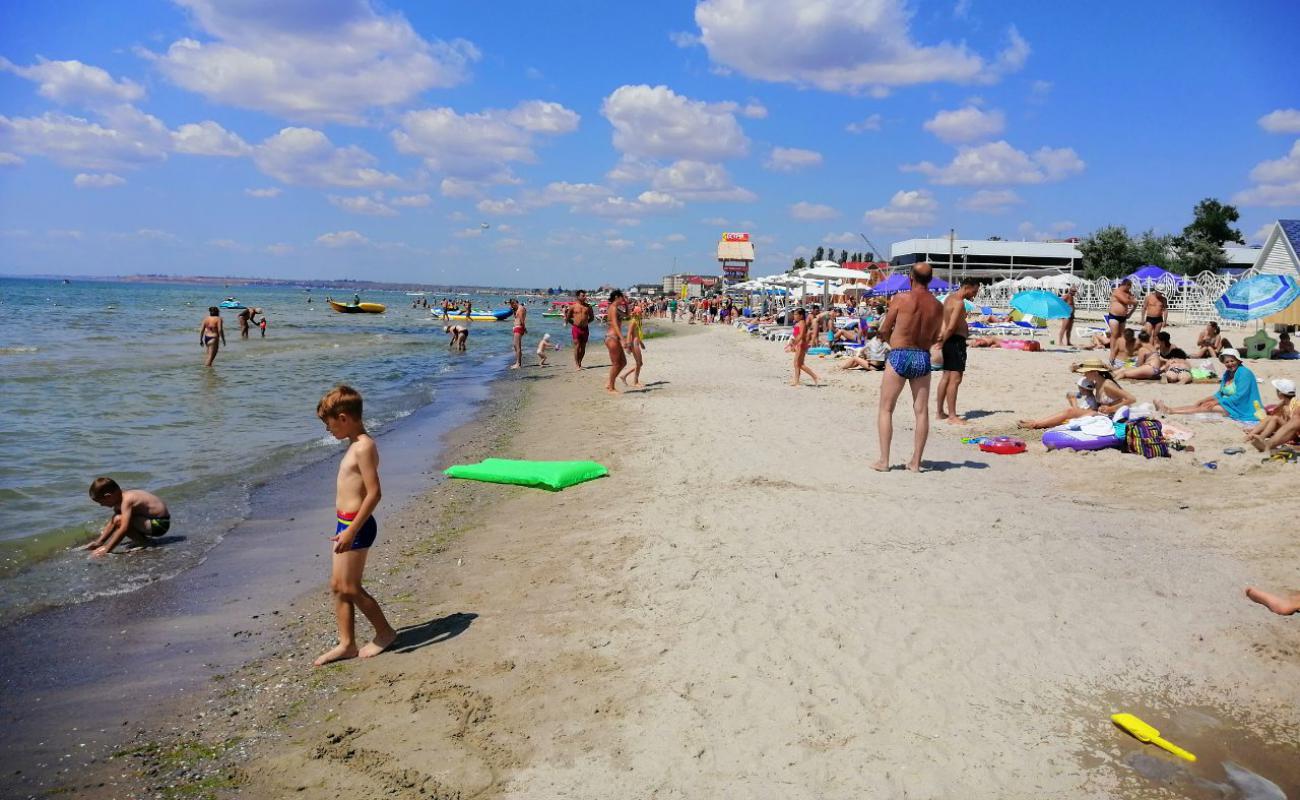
(744, 609)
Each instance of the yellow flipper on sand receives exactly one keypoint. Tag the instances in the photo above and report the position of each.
(1145, 733)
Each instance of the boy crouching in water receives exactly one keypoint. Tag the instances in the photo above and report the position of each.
(136, 513)
(356, 496)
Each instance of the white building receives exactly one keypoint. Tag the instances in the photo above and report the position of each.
(982, 258)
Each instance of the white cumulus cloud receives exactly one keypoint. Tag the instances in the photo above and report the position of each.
(11, 160)
(75, 83)
(270, 191)
(990, 201)
(698, 180)
(656, 122)
(105, 180)
(361, 204)
(906, 210)
(1000, 163)
(306, 157)
(508, 206)
(840, 45)
(1277, 182)
(126, 139)
(1283, 120)
(871, 123)
(412, 201)
(342, 239)
(314, 61)
(480, 146)
(792, 159)
(810, 211)
(208, 139)
(968, 124)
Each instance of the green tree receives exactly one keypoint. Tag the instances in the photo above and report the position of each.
(1107, 253)
(1163, 251)
(1212, 222)
(844, 256)
(799, 263)
(820, 255)
(1197, 254)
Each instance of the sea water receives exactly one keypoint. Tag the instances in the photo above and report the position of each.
(107, 378)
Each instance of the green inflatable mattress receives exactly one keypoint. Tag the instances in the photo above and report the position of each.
(553, 475)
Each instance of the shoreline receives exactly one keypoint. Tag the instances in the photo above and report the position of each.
(160, 643)
(742, 608)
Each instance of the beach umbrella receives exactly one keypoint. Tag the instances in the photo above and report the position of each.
(940, 285)
(1041, 304)
(1257, 296)
(894, 284)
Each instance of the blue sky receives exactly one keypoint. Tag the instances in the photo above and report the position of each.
(606, 142)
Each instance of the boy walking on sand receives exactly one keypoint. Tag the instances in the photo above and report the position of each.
(136, 513)
(356, 496)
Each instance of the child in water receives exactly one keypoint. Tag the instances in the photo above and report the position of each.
(356, 496)
(136, 513)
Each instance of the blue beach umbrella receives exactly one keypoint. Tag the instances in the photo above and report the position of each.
(1043, 305)
(1258, 296)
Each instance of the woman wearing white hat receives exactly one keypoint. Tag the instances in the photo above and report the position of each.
(1238, 395)
(1283, 424)
(1098, 393)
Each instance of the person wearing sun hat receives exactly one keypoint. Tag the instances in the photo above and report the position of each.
(1282, 425)
(1237, 398)
(1099, 393)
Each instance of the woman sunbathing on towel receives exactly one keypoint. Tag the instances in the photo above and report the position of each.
(1177, 368)
(1098, 394)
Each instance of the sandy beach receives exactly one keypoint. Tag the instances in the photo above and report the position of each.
(743, 608)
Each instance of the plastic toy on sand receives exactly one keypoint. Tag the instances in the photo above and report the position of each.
(1003, 445)
(1145, 733)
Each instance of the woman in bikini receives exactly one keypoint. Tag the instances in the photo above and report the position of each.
(212, 334)
(635, 345)
(1105, 397)
(801, 339)
(1211, 342)
(614, 337)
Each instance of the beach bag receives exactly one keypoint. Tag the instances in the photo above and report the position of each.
(1147, 438)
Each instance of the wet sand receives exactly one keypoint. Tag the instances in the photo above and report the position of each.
(80, 681)
(744, 609)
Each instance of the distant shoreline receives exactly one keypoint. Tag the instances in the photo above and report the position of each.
(308, 283)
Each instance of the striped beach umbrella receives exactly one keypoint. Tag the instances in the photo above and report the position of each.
(1257, 296)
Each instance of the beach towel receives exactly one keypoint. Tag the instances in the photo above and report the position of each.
(1145, 437)
(1240, 396)
(552, 475)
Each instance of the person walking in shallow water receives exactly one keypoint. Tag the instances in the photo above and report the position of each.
(212, 334)
(912, 327)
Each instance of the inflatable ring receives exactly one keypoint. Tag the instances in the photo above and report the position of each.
(1003, 445)
(1078, 440)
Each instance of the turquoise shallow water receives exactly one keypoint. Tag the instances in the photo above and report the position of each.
(107, 379)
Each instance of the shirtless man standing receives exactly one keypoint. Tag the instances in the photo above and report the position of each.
(1121, 306)
(953, 336)
(521, 314)
(578, 316)
(1153, 313)
(912, 327)
(212, 334)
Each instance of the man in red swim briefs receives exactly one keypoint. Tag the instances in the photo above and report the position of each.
(520, 329)
(579, 315)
